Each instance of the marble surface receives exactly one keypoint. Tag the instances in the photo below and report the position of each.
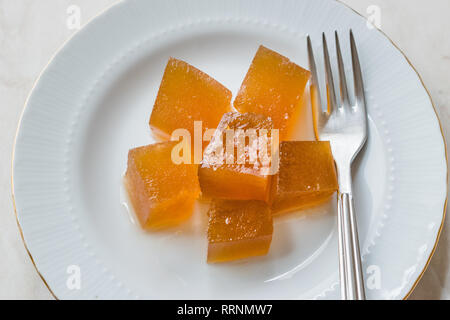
(32, 31)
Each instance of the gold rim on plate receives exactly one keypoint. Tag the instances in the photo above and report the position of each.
(119, 1)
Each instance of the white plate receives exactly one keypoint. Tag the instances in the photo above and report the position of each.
(93, 103)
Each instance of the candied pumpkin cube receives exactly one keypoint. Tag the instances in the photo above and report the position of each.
(186, 94)
(306, 176)
(274, 86)
(238, 229)
(238, 171)
(161, 192)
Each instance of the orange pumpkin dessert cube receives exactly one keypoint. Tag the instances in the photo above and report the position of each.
(162, 193)
(306, 176)
(238, 171)
(186, 94)
(238, 229)
(274, 86)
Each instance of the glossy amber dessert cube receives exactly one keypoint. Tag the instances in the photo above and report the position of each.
(186, 94)
(162, 193)
(274, 86)
(306, 176)
(240, 172)
(238, 229)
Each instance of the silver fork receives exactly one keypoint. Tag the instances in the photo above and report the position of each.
(344, 124)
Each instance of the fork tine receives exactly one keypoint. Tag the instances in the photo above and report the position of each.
(312, 64)
(331, 92)
(342, 79)
(357, 74)
(319, 115)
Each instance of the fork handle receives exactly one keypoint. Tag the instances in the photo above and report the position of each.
(351, 276)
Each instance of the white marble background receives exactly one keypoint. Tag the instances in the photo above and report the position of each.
(31, 31)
